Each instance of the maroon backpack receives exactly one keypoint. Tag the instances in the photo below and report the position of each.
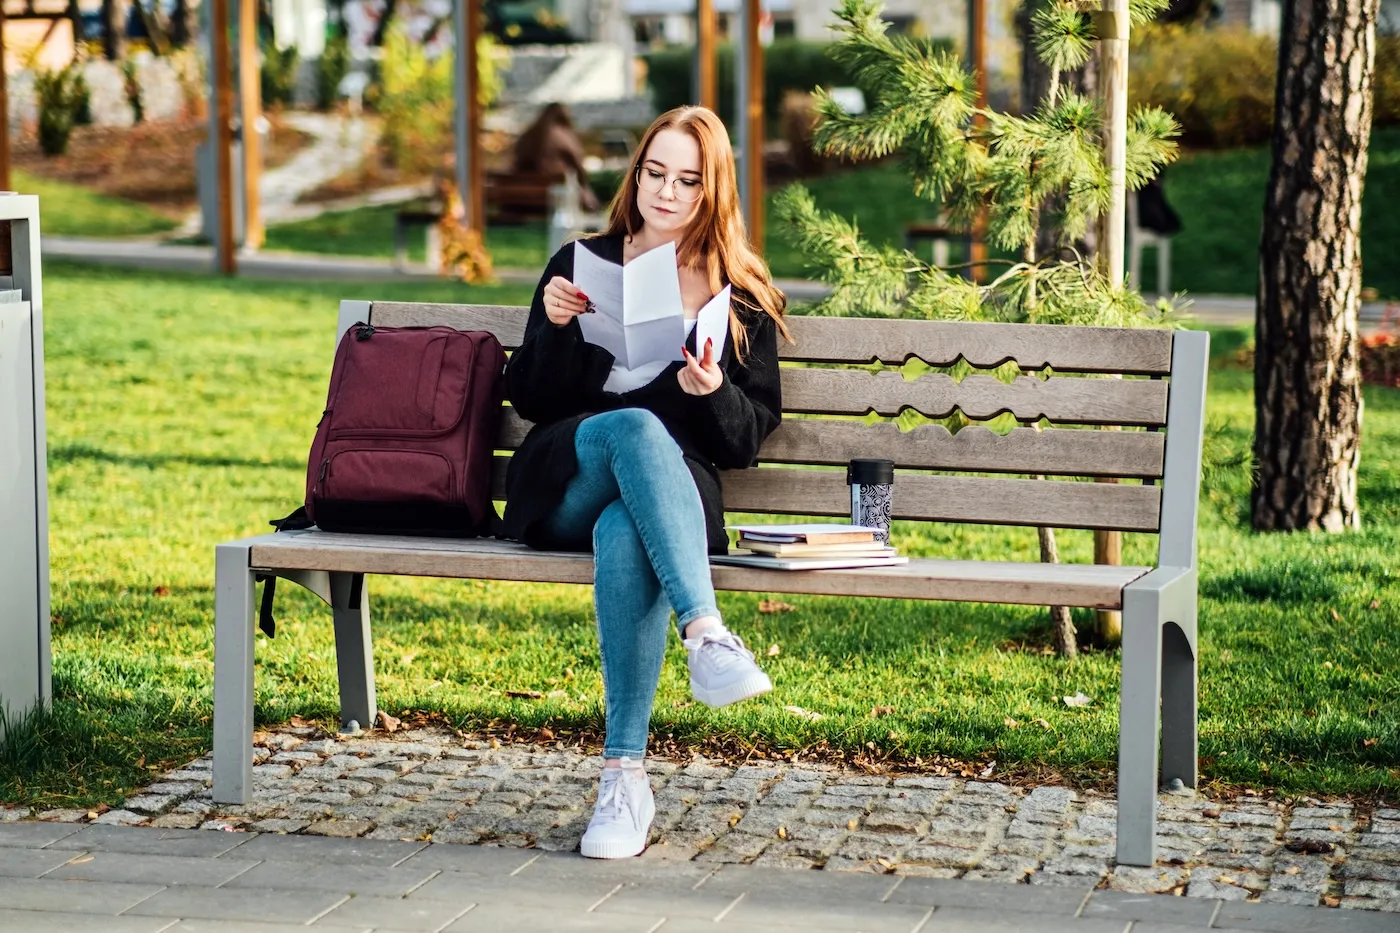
(406, 440)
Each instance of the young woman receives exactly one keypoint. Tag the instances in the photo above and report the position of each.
(624, 462)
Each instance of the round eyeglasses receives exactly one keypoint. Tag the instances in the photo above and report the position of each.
(654, 182)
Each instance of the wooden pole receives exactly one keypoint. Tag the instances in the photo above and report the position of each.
(706, 59)
(250, 106)
(220, 110)
(4, 112)
(748, 113)
(977, 61)
(1113, 72)
(470, 174)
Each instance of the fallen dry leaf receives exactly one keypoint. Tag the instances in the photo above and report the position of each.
(80, 860)
(877, 711)
(547, 733)
(734, 819)
(525, 694)
(987, 771)
(1292, 870)
(1227, 879)
(1079, 699)
(1367, 743)
(1310, 847)
(782, 832)
(408, 658)
(775, 605)
(388, 723)
(1331, 900)
(1211, 814)
(92, 814)
(804, 713)
(1044, 724)
(298, 722)
(1010, 723)
(1375, 604)
(162, 591)
(852, 824)
(774, 650)
(885, 863)
(1336, 616)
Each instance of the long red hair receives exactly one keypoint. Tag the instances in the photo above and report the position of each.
(717, 240)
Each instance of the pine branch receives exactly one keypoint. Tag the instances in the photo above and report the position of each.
(1151, 144)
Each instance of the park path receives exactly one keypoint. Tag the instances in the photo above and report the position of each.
(339, 144)
(426, 830)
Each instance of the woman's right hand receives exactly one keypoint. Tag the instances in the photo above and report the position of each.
(563, 301)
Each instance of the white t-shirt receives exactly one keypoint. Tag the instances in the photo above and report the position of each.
(625, 380)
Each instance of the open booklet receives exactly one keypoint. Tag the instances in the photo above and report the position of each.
(638, 314)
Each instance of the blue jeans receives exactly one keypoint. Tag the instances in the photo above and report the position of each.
(635, 497)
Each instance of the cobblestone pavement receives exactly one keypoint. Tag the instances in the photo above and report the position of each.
(425, 785)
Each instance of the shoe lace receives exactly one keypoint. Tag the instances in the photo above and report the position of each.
(728, 650)
(615, 797)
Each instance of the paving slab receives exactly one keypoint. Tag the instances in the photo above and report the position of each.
(191, 903)
(149, 869)
(1278, 918)
(1115, 905)
(31, 863)
(34, 835)
(452, 888)
(989, 895)
(31, 921)
(469, 859)
(144, 840)
(497, 917)
(392, 913)
(968, 920)
(256, 926)
(352, 878)
(78, 897)
(323, 850)
(679, 900)
(769, 909)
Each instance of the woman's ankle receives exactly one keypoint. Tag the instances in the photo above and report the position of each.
(697, 627)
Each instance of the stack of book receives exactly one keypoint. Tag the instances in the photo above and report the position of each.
(809, 547)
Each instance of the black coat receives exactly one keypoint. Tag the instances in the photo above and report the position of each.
(555, 379)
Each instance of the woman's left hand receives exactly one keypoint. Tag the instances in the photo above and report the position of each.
(702, 376)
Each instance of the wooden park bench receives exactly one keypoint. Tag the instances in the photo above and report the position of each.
(1158, 471)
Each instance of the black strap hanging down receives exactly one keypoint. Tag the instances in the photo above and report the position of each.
(265, 620)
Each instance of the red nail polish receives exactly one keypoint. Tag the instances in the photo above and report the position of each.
(709, 343)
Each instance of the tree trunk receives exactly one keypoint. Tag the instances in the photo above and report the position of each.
(1066, 638)
(184, 23)
(1307, 392)
(114, 29)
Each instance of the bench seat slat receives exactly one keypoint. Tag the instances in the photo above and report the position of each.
(833, 340)
(1135, 402)
(1055, 451)
(1023, 583)
(919, 497)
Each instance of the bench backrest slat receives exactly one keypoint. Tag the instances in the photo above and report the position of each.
(923, 497)
(1054, 451)
(826, 425)
(1134, 402)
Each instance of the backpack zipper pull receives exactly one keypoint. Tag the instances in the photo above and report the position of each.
(364, 332)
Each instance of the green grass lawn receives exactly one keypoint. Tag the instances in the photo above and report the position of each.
(71, 210)
(1220, 197)
(180, 413)
(878, 197)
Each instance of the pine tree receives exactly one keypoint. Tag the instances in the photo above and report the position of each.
(1021, 173)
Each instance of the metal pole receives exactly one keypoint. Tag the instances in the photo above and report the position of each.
(250, 115)
(467, 120)
(1113, 72)
(221, 135)
(706, 58)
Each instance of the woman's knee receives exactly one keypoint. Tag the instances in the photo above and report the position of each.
(629, 427)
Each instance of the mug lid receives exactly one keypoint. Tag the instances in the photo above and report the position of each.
(869, 471)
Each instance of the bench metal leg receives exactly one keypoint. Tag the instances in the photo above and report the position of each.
(1158, 703)
(1137, 729)
(1179, 749)
(354, 657)
(233, 674)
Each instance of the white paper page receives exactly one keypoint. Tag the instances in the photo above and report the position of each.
(713, 323)
(651, 288)
(601, 281)
(657, 341)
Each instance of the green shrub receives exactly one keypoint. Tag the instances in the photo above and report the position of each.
(131, 84)
(788, 65)
(59, 99)
(331, 69)
(1219, 82)
(278, 75)
(82, 100)
(414, 96)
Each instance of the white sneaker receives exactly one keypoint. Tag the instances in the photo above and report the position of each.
(722, 670)
(622, 817)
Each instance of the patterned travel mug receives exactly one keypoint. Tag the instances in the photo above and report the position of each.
(872, 495)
